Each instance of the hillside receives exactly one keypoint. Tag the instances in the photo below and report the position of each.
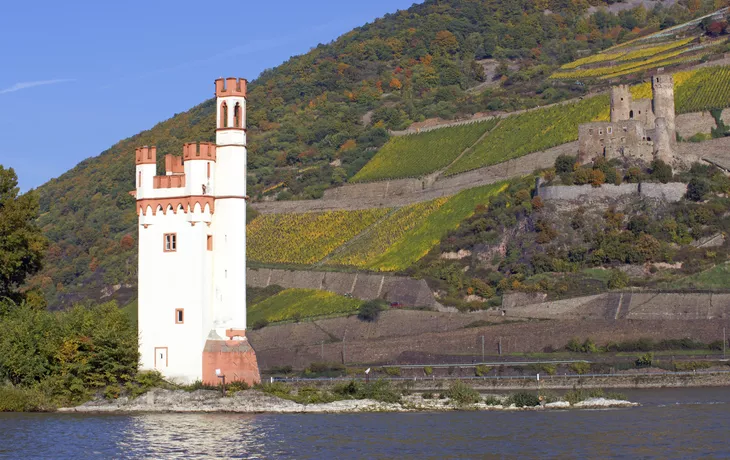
(317, 119)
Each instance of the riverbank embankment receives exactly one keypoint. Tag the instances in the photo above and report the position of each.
(257, 402)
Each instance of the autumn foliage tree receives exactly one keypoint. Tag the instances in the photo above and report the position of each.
(22, 244)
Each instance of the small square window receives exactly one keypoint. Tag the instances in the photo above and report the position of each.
(626, 129)
(590, 131)
(609, 130)
(170, 242)
(179, 316)
(600, 132)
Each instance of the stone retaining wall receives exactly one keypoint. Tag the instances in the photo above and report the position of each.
(364, 286)
(647, 306)
(673, 191)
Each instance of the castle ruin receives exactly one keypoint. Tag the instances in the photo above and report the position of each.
(643, 129)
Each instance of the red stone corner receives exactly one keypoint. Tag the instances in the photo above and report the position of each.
(236, 359)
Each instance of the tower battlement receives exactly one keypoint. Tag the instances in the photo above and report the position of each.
(230, 87)
(199, 151)
(146, 155)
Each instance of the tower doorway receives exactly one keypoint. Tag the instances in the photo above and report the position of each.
(161, 360)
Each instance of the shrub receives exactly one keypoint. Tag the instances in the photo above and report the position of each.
(17, 399)
(660, 171)
(428, 370)
(427, 395)
(580, 368)
(549, 369)
(597, 178)
(645, 360)
(463, 394)
(618, 280)
(481, 370)
(492, 400)
(697, 189)
(370, 310)
(330, 369)
(523, 399)
(564, 164)
(577, 395)
(391, 371)
(691, 365)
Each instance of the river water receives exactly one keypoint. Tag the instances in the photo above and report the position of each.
(686, 423)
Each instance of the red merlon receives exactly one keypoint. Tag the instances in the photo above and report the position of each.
(174, 181)
(230, 87)
(146, 155)
(202, 151)
(174, 165)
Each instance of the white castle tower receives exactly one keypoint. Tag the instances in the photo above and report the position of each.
(192, 253)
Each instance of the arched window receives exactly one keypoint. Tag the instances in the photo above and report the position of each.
(224, 115)
(631, 114)
(237, 116)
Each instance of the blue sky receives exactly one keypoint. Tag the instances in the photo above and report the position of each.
(78, 76)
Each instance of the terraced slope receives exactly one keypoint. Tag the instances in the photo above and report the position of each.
(304, 238)
(532, 131)
(419, 154)
(682, 44)
(380, 241)
(292, 304)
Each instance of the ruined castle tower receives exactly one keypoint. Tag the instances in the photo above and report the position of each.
(192, 253)
(663, 102)
(662, 141)
(620, 103)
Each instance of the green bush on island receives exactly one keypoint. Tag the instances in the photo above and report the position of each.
(58, 358)
(462, 394)
(523, 399)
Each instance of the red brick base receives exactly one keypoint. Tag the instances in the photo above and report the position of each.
(236, 359)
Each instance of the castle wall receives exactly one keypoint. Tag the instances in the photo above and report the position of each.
(672, 192)
(642, 112)
(612, 140)
(689, 124)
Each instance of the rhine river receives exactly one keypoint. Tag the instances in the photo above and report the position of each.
(682, 423)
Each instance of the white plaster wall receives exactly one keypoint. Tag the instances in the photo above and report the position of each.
(196, 175)
(170, 280)
(229, 272)
(148, 173)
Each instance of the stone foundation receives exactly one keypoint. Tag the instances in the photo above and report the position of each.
(235, 359)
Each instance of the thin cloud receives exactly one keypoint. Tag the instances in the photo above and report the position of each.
(30, 84)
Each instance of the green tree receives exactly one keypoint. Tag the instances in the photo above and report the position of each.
(21, 243)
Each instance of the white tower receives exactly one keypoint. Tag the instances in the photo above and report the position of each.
(192, 253)
(229, 221)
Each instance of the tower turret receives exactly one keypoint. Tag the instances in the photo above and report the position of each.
(662, 87)
(145, 159)
(620, 103)
(231, 111)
